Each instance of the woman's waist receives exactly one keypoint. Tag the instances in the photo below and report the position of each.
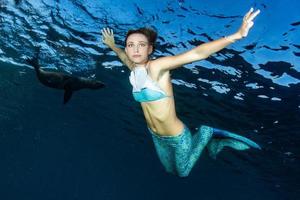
(159, 111)
(168, 127)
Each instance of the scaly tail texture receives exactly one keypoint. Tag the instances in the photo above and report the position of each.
(229, 139)
(178, 154)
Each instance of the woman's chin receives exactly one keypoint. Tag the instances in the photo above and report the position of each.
(138, 61)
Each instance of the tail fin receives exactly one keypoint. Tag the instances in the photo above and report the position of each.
(224, 138)
(227, 134)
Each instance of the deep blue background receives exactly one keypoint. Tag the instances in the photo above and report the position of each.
(97, 146)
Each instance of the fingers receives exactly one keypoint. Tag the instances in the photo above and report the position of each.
(250, 24)
(107, 32)
(251, 15)
(104, 32)
(248, 13)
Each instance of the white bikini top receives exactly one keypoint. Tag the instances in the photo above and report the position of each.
(140, 79)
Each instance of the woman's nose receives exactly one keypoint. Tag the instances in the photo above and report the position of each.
(136, 48)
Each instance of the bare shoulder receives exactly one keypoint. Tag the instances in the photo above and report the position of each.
(169, 62)
(158, 67)
(162, 62)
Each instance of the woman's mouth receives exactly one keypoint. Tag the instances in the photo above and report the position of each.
(136, 56)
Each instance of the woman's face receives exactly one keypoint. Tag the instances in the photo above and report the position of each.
(138, 48)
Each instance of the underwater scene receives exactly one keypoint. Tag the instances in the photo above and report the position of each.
(89, 140)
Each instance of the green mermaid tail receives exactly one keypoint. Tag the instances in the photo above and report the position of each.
(223, 139)
(178, 154)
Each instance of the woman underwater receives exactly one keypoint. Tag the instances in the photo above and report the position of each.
(177, 149)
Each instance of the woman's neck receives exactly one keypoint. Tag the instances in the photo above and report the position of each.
(142, 64)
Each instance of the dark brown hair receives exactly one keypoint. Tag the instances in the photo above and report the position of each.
(150, 34)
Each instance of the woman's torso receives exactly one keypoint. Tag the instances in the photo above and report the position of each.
(160, 115)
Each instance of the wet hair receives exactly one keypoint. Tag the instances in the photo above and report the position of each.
(150, 34)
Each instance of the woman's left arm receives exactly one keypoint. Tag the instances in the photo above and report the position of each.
(205, 50)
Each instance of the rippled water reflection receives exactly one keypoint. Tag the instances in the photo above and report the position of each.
(251, 87)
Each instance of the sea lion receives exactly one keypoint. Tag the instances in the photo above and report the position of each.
(62, 81)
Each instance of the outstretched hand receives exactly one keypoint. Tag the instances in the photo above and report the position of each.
(108, 37)
(247, 22)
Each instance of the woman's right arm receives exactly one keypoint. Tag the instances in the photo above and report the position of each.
(203, 51)
(108, 39)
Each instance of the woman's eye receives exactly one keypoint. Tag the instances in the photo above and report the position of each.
(130, 45)
(143, 45)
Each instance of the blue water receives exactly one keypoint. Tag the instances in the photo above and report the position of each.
(97, 146)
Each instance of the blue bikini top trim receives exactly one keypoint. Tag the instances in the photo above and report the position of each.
(144, 89)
